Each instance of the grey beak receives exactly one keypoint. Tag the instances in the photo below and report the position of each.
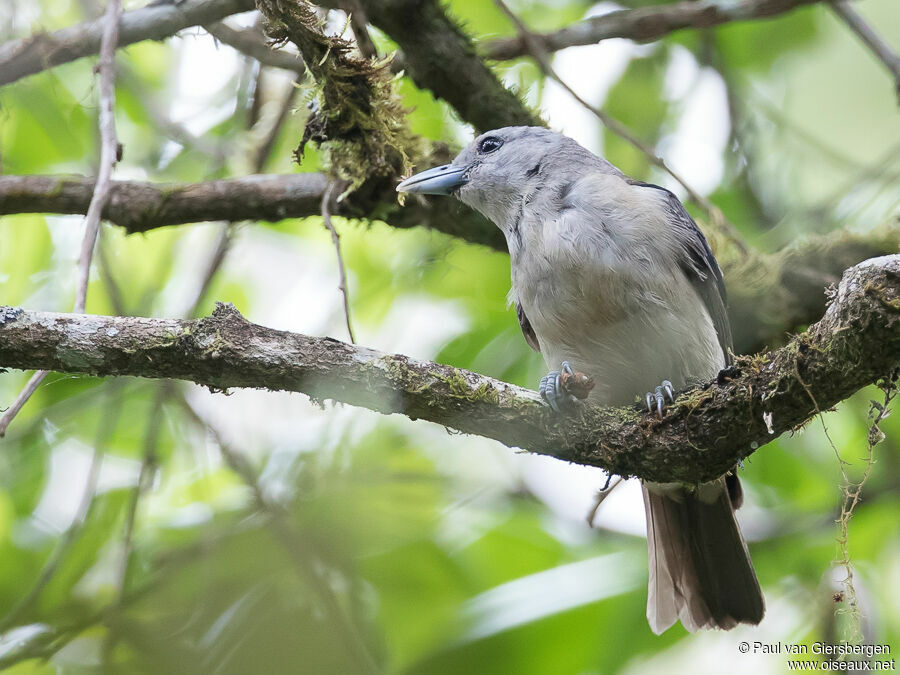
(441, 180)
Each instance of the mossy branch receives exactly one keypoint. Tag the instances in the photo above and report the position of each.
(770, 294)
(357, 116)
(703, 434)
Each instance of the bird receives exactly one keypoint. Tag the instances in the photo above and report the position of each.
(612, 277)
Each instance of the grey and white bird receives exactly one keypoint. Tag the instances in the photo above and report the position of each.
(611, 277)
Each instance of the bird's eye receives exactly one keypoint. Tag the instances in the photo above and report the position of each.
(489, 144)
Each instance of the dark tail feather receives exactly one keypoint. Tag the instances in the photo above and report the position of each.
(700, 569)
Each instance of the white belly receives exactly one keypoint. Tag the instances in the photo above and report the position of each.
(628, 338)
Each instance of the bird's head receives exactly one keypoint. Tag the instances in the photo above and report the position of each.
(501, 168)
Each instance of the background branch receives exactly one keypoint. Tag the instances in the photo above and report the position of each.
(254, 44)
(154, 22)
(856, 343)
(870, 38)
(644, 24)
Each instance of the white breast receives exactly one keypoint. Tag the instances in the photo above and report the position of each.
(609, 297)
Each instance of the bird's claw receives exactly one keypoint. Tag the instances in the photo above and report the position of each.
(554, 393)
(657, 397)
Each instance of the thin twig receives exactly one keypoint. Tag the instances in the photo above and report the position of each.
(108, 154)
(359, 23)
(539, 54)
(872, 40)
(108, 150)
(601, 497)
(14, 408)
(342, 283)
(850, 493)
(264, 149)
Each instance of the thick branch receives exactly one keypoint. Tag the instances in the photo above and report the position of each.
(440, 57)
(645, 24)
(154, 22)
(769, 294)
(138, 206)
(702, 435)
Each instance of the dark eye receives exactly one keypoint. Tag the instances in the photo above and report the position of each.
(489, 144)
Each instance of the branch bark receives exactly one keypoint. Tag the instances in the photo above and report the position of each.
(645, 24)
(20, 58)
(140, 206)
(704, 433)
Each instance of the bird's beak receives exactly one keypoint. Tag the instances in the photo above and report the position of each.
(441, 180)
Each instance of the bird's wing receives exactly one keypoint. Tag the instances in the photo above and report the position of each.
(527, 330)
(699, 265)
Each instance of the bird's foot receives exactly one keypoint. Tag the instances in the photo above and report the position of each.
(727, 374)
(656, 399)
(561, 389)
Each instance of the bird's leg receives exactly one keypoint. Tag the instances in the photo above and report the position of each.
(656, 399)
(562, 388)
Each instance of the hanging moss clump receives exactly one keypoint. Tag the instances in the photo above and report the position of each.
(356, 116)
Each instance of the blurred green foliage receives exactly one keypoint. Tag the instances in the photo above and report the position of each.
(381, 538)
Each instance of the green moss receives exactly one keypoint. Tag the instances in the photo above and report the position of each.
(357, 117)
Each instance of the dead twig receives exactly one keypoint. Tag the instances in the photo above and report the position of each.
(342, 281)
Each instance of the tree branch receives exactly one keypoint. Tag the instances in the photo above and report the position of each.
(769, 294)
(140, 206)
(870, 38)
(440, 57)
(251, 42)
(645, 24)
(702, 435)
(20, 58)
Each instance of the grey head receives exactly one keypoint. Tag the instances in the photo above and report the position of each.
(502, 168)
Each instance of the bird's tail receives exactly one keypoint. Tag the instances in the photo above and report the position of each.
(700, 569)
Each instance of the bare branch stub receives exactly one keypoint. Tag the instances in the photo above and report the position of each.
(703, 434)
